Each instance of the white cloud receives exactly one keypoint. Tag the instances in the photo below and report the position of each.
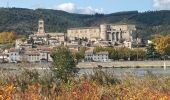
(72, 8)
(69, 7)
(161, 4)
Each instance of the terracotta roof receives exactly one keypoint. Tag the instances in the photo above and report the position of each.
(3, 54)
(101, 53)
(33, 53)
(13, 50)
(43, 48)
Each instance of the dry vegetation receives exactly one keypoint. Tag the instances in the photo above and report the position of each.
(99, 86)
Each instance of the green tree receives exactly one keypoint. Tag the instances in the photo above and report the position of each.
(79, 56)
(151, 52)
(99, 49)
(64, 66)
(138, 54)
(123, 53)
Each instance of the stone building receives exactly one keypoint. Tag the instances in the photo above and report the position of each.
(106, 32)
(42, 37)
(91, 33)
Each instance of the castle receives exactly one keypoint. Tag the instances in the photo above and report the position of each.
(106, 32)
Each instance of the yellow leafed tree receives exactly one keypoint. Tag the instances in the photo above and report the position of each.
(162, 44)
(7, 37)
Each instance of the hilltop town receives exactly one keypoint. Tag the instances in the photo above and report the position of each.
(38, 46)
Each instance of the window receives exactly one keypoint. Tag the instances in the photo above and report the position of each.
(41, 28)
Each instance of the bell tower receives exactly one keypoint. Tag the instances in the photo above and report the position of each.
(41, 30)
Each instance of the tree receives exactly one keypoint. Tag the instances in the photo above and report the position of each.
(63, 66)
(124, 53)
(114, 54)
(151, 52)
(138, 54)
(99, 49)
(7, 37)
(162, 44)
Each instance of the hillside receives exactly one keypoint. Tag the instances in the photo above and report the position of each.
(24, 21)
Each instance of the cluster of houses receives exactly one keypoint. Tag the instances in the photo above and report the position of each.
(43, 54)
(38, 47)
(31, 55)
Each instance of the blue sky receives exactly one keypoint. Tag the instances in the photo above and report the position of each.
(90, 6)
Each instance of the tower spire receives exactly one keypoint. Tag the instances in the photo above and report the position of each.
(41, 30)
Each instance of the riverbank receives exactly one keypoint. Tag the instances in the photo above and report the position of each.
(114, 64)
(124, 64)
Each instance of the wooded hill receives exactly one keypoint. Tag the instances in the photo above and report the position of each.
(24, 21)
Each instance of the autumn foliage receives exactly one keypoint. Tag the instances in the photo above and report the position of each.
(130, 87)
(162, 44)
(7, 37)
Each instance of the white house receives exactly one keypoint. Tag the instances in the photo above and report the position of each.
(101, 57)
(33, 56)
(45, 56)
(3, 58)
(14, 55)
(98, 57)
(88, 56)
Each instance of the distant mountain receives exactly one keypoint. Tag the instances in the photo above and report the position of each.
(24, 21)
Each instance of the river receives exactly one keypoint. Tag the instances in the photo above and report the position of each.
(116, 71)
(134, 71)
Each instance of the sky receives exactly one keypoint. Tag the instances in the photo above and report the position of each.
(90, 6)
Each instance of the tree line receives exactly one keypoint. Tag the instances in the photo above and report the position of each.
(122, 53)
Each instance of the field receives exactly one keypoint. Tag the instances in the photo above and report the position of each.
(99, 86)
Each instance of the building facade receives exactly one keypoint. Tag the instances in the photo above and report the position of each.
(98, 57)
(91, 33)
(106, 32)
(14, 56)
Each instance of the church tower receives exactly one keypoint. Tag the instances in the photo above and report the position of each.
(41, 30)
